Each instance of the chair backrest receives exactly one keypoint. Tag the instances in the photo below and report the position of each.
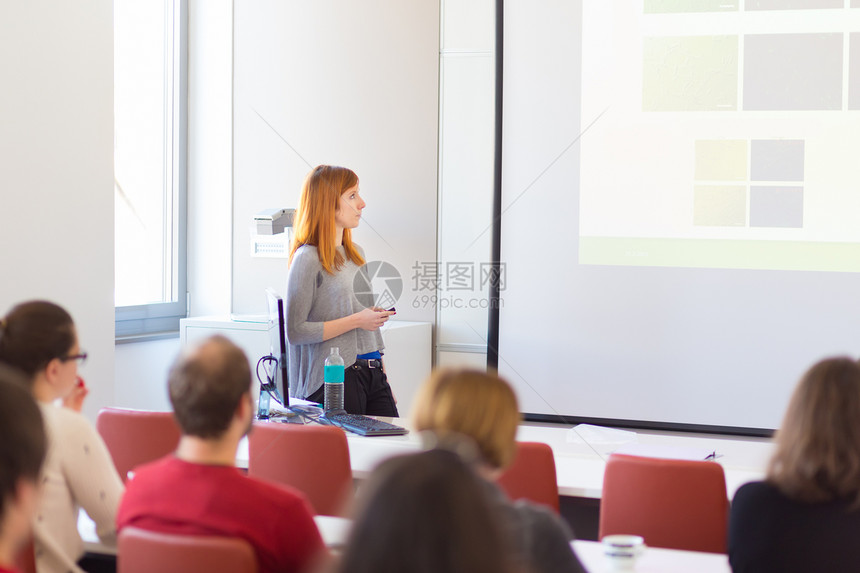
(135, 437)
(141, 551)
(532, 476)
(679, 504)
(312, 459)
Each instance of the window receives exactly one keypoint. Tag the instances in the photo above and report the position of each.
(149, 165)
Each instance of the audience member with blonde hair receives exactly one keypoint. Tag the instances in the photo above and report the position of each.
(426, 513)
(805, 516)
(483, 408)
(39, 339)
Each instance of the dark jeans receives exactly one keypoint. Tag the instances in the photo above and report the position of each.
(365, 391)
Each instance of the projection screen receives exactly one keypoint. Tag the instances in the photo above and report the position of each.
(681, 206)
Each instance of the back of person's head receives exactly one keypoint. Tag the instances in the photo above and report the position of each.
(817, 457)
(33, 334)
(314, 219)
(476, 404)
(206, 384)
(425, 513)
(22, 437)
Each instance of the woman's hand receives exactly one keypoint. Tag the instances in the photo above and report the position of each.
(368, 319)
(372, 318)
(75, 399)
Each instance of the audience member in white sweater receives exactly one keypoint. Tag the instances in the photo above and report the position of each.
(39, 339)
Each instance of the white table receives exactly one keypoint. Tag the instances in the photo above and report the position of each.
(92, 543)
(654, 560)
(579, 466)
(334, 531)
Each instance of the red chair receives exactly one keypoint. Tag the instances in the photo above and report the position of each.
(141, 551)
(678, 504)
(312, 459)
(532, 476)
(135, 437)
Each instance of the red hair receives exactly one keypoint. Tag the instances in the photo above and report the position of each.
(314, 219)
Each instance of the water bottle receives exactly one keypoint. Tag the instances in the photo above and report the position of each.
(333, 377)
(263, 405)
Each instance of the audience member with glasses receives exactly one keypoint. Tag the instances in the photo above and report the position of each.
(39, 339)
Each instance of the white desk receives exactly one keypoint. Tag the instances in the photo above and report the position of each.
(334, 531)
(92, 543)
(579, 467)
(654, 560)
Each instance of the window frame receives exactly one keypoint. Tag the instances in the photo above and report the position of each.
(161, 319)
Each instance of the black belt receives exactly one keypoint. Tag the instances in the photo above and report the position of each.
(369, 363)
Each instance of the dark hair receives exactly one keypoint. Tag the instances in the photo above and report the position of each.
(33, 334)
(817, 456)
(205, 387)
(22, 435)
(425, 513)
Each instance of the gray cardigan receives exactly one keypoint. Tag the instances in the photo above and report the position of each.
(314, 297)
(541, 539)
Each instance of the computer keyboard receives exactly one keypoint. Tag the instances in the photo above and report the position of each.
(365, 425)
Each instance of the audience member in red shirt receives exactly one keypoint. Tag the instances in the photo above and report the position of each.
(199, 491)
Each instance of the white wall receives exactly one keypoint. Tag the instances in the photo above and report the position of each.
(141, 374)
(56, 162)
(467, 62)
(458, 359)
(377, 88)
(210, 155)
(141, 367)
(56, 169)
(346, 83)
